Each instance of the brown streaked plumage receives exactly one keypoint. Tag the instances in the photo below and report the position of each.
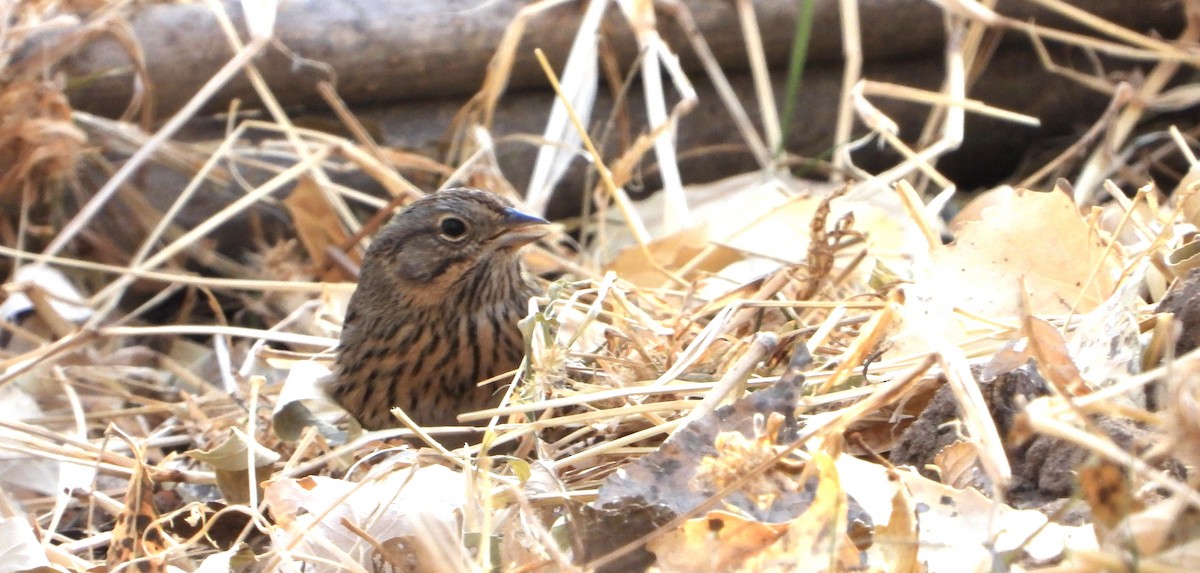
(439, 295)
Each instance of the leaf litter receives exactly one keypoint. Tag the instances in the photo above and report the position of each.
(760, 373)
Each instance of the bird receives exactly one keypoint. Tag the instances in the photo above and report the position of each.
(440, 291)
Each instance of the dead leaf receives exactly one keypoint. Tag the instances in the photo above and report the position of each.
(718, 541)
(959, 530)
(1039, 237)
(315, 511)
(1105, 342)
(1106, 488)
(48, 288)
(1046, 344)
(958, 464)
(816, 540)
(232, 460)
(709, 453)
(303, 402)
(670, 252)
(136, 536)
(317, 225)
(895, 544)
(19, 549)
(767, 220)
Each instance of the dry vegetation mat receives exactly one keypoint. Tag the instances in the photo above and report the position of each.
(766, 372)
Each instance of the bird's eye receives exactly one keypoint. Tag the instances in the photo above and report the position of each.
(452, 228)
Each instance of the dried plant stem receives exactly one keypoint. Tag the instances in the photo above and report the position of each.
(851, 75)
(106, 192)
(281, 118)
(906, 93)
(761, 346)
(1100, 164)
(186, 279)
(636, 226)
(762, 77)
(199, 329)
(762, 154)
(243, 203)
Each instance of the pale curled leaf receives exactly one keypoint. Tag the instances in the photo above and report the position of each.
(1038, 237)
(19, 548)
(312, 512)
(232, 461)
(718, 541)
(896, 542)
(237, 452)
(1046, 344)
(1105, 342)
(217, 562)
(956, 464)
(303, 403)
(960, 530)
(816, 540)
(766, 219)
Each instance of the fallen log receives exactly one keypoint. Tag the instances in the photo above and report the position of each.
(709, 143)
(378, 52)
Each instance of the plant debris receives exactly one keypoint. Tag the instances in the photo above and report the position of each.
(764, 372)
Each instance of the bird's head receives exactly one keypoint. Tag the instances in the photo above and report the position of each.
(440, 241)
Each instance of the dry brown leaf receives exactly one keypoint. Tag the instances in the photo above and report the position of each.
(816, 540)
(1046, 344)
(1106, 488)
(718, 449)
(768, 221)
(718, 541)
(958, 464)
(317, 225)
(895, 544)
(1038, 237)
(136, 536)
(303, 402)
(670, 252)
(232, 460)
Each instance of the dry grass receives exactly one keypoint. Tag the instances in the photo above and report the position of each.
(103, 388)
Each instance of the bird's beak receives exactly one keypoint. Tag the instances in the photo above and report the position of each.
(520, 229)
